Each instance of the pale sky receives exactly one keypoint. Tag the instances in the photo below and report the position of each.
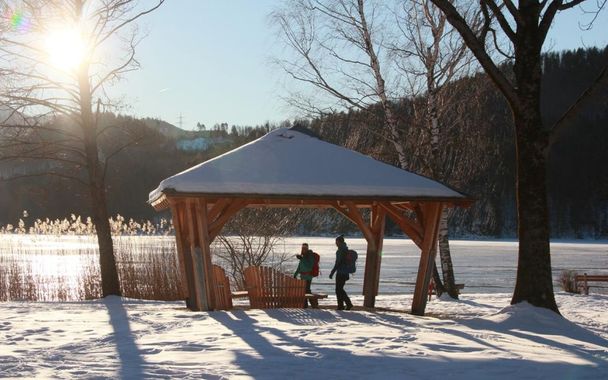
(209, 60)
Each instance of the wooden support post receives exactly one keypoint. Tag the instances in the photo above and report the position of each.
(431, 213)
(199, 294)
(373, 257)
(206, 267)
(183, 251)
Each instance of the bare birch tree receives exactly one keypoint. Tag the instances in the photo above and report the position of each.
(345, 49)
(57, 60)
(431, 54)
(337, 51)
(525, 26)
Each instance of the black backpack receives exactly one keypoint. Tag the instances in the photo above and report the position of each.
(350, 261)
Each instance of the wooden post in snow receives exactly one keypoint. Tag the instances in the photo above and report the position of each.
(431, 213)
(203, 238)
(198, 292)
(373, 259)
(178, 214)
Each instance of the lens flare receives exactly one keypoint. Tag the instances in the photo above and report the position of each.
(18, 21)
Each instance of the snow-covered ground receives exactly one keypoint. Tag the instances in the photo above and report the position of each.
(478, 337)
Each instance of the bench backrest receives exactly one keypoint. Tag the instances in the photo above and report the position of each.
(593, 277)
(270, 289)
(221, 288)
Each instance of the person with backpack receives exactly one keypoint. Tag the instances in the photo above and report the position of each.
(343, 267)
(308, 268)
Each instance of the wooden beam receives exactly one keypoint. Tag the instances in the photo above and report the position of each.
(408, 226)
(378, 227)
(338, 207)
(216, 227)
(373, 258)
(419, 215)
(183, 258)
(317, 199)
(431, 213)
(200, 299)
(356, 216)
(216, 209)
(261, 202)
(411, 223)
(403, 206)
(203, 239)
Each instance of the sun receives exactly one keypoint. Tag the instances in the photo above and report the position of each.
(66, 48)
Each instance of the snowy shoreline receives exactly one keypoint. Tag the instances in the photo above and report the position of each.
(478, 337)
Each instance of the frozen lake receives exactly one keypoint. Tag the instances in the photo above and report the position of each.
(484, 266)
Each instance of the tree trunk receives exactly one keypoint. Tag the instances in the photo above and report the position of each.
(109, 275)
(110, 284)
(439, 288)
(534, 282)
(445, 256)
(534, 278)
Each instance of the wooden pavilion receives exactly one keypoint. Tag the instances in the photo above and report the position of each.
(294, 168)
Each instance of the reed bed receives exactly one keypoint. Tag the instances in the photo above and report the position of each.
(147, 269)
(59, 260)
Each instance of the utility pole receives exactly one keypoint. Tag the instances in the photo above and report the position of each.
(180, 121)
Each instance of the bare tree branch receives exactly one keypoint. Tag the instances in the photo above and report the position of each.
(600, 83)
(477, 47)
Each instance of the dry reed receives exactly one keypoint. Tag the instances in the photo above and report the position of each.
(146, 264)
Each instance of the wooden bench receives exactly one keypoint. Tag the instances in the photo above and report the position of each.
(309, 296)
(582, 281)
(269, 289)
(314, 299)
(240, 294)
(221, 289)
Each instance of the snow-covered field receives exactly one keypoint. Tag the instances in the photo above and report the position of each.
(478, 337)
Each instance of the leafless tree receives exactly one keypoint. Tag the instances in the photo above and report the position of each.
(252, 238)
(56, 64)
(337, 49)
(431, 54)
(524, 26)
(362, 53)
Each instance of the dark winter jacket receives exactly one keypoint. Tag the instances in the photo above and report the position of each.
(340, 265)
(307, 262)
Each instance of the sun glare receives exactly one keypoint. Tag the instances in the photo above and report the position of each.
(66, 48)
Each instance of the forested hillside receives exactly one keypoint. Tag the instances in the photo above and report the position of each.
(478, 150)
(477, 156)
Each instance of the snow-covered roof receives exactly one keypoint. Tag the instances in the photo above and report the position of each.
(287, 163)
